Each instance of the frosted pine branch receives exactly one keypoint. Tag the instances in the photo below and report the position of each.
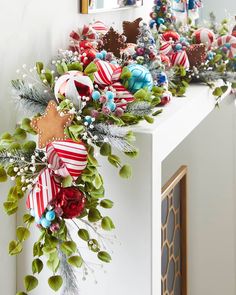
(30, 98)
(139, 108)
(114, 135)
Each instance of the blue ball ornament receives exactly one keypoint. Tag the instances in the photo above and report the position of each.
(96, 95)
(160, 21)
(110, 95)
(45, 223)
(111, 106)
(50, 215)
(210, 55)
(178, 46)
(162, 78)
(104, 53)
(152, 23)
(99, 55)
(88, 119)
(228, 45)
(140, 78)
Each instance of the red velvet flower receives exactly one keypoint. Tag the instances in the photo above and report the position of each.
(72, 202)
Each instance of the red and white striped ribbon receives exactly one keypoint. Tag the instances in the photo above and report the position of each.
(67, 157)
(43, 192)
(99, 27)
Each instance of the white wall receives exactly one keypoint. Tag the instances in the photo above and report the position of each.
(220, 8)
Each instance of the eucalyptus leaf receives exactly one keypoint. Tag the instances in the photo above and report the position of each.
(104, 256)
(30, 283)
(75, 261)
(55, 282)
(106, 204)
(107, 224)
(67, 181)
(125, 171)
(83, 234)
(94, 215)
(37, 266)
(68, 247)
(22, 233)
(15, 247)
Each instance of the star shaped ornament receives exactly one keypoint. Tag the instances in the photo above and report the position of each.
(51, 125)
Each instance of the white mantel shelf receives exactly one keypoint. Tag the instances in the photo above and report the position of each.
(180, 117)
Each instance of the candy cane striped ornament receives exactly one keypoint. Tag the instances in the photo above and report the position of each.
(180, 58)
(67, 157)
(43, 192)
(204, 36)
(99, 27)
(229, 42)
(106, 73)
(166, 48)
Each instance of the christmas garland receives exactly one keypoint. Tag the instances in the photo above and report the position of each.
(83, 103)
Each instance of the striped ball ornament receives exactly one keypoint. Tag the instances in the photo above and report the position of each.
(229, 42)
(180, 58)
(140, 78)
(204, 36)
(73, 85)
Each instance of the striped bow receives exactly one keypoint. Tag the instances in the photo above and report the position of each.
(86, 33)
(65, 157)
(108, 74)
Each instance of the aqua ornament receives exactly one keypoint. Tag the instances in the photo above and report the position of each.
(96, 95)
(45, 223)
(50, 215)
(110, 95)
(88, 119)
(140, 78)
(111, 106)
(99, 55)
(160, 21)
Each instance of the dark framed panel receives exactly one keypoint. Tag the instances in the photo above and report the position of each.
(174, 234)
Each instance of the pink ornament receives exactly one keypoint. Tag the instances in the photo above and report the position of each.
(204, 36)
(227, 41)
(119, 112)
(166, 48)
(73, 85)
(180, 58)
(170, 35)
(140, 51)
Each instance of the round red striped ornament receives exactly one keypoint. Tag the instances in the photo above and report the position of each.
(166, 48)
(99, 27)
(106, 73)
(180, 58)
(204, 36)
(170, 36)
(229, 41)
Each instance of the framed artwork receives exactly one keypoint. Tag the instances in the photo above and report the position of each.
(174, 235)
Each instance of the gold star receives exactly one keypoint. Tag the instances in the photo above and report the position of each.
(51, 125)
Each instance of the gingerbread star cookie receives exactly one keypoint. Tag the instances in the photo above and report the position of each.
(51, 125)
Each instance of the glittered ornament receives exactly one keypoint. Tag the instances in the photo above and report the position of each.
(88, 56)
(72, 202)
(196, 54)
(140, 78)
(204, 36)
(73, 85)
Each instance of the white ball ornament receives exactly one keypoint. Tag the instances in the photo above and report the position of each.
(73, 85)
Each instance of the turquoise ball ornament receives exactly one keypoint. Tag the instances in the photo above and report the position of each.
(140, 78)
(96, 95)
(50, 215)
(45, 223)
